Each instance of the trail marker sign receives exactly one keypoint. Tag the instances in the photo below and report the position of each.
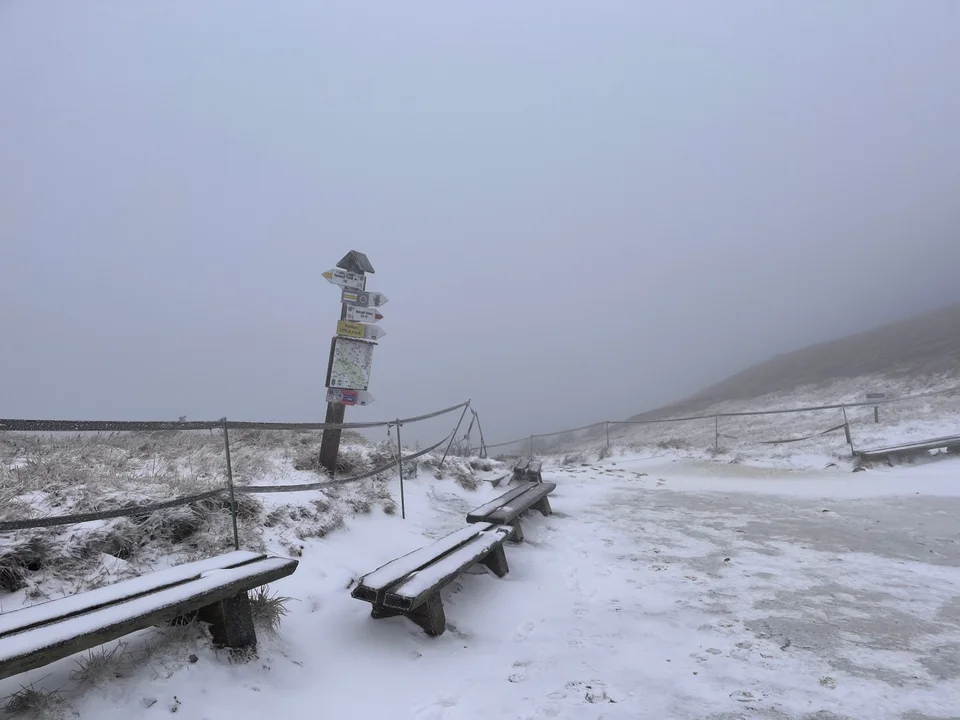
(347, 397)
(358, 314)
(363, 298)
(351, 349)
(345, 279)
(360, 331)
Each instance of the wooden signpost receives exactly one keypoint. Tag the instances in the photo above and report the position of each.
(351, 349)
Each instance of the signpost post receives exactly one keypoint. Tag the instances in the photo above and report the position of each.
(351, 349)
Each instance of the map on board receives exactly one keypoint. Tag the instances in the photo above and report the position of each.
(351, 364)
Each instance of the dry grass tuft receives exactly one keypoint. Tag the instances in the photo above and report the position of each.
(268, 610)
(100, 665)
(30, 701)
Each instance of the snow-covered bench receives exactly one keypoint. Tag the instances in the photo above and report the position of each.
(528, 469)
(215, 589)
(411, 585)
(507, 509)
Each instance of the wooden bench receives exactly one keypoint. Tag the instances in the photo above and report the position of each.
(214, 589)
(411, 585)
(507, 509)
(527, 469)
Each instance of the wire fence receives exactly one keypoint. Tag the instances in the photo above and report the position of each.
(904, 415)
(230, 490)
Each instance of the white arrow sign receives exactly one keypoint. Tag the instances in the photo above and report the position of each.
(349, 397)
(346, 279)
(364, 315)
(360, 331)
(363, 298)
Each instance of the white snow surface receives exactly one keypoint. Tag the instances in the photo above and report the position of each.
(663, 587)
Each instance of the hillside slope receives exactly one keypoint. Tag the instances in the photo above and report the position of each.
(925, 345)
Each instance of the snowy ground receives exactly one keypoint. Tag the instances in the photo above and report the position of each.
(662, 587)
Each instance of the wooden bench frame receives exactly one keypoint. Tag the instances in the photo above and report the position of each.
(410, 585)
(213, 590)
(507, 509)
(528, 469)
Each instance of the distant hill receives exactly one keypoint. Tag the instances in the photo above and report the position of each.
(927, 344)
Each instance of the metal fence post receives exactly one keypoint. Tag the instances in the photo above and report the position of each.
(531, 446)
(403, 502)
(607, 424)
(846, 430)
(716, 434)
(454, 436)
(233, 498)
(483, 445)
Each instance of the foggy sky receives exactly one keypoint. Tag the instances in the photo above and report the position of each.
(578, 210)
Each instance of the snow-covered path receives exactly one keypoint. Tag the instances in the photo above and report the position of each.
(693, 591)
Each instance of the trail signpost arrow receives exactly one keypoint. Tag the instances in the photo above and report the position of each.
(349, 397)
(351, 349)
(361, 331)
(358, 314)
(346, 279)
(363, 298)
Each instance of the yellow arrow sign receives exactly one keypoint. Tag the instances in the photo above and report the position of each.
(345, 328)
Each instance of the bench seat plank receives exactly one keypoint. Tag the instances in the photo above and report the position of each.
(413, 591)
(395, 570)
(481, 513)
(40, 646)
(512, 509)
(24, 618)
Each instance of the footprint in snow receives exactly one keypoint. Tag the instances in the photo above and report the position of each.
(523, 632)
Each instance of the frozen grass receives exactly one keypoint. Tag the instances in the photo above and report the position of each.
(268, 609)
(33, 702)
(60, 474)
(101, 665)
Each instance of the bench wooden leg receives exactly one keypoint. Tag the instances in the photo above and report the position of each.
(497, 561)
(231, 622)
(430, 616)
(517, 536)
(379, 612)
(543, 506)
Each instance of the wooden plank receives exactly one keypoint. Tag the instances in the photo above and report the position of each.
(483, 511)
(419, 586)
(521, 465)
(906, 448)
(508, 513)
(43, 645)
(62, 608)
(535, 467)
(396, 570)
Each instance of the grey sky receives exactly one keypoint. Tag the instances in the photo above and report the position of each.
(578, 210)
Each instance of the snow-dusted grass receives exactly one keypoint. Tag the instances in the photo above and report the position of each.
(73, 473)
